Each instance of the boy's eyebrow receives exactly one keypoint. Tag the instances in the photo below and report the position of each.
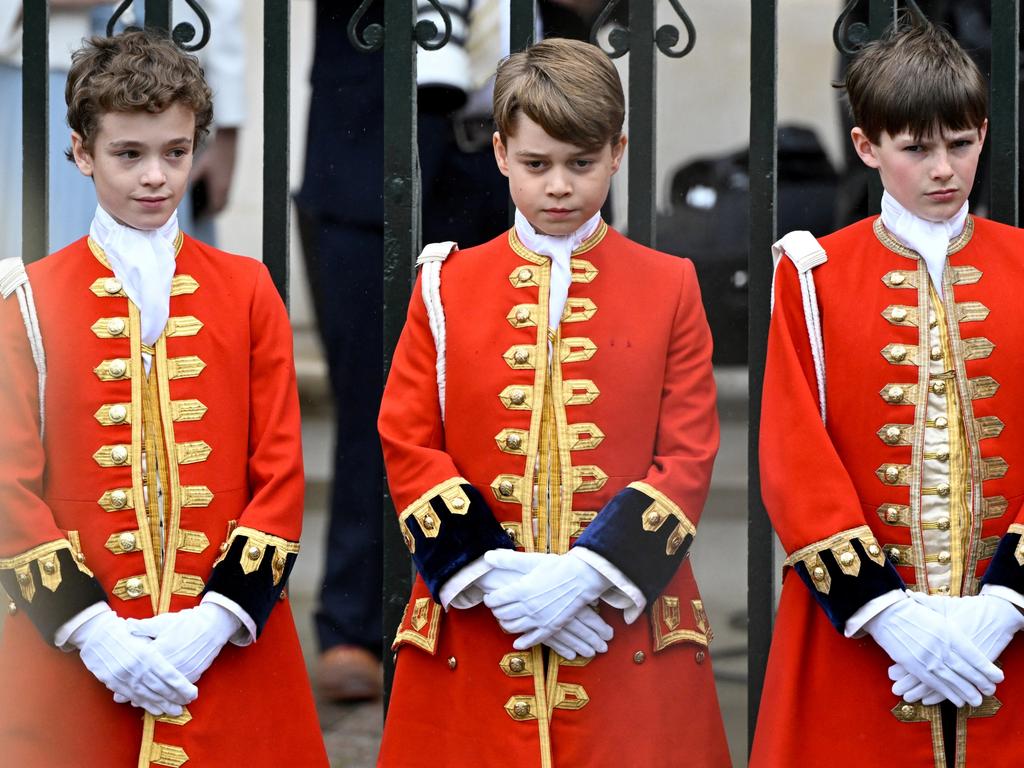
(528, 153)
(132, 143)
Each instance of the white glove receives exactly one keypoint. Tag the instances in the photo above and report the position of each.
(934, 652)
(988, 620)
(189, 639)
(131, 667)
(546, 599)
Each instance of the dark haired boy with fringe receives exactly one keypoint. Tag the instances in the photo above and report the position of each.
(549, 430)
(151, 484)
(890, 452)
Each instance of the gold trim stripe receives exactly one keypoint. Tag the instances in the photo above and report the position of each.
(420, 510)
(887, 239)
(841, 547)
(186, 325)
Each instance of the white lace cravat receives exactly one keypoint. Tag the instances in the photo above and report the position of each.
(929, 238)
(143, 260)
(559, 249)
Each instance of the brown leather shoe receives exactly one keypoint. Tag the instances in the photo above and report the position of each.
(349, 673)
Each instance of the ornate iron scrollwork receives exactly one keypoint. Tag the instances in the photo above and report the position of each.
(666, 38)
(850, 38)
(182, 34)
(426, 31)
(373, 36)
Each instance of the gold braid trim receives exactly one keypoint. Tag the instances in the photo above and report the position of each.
(1018, 553)
(841, 547)
(420, 510)
(958, 243)
(256, 548)
(45, 555)
(660, 509)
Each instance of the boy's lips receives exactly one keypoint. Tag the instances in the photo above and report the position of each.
(941, 195)
(151, 202)
(558, 211)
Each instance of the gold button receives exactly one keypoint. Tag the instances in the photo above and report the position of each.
(653, 517)
(521, 709)
(847, 558)
(224, 546)
(939, 387)
(133, 587)
(513, 441)
(452, 662)
(936, 352)
(943, 590)
(505, 488)
(899, 353)
(941, 422)
(118, 413)
(522, 315)
(80, 557)
(944, 557)
(893, 435)
(253, 552)
(118, 498)
(818, 573)
(119, 454)
(49, 567)
(897, 278)
(517, 397)
(943, 453)
(907, 710)
(943, 524)
(428, 522)
(126, 541)
(639, 657)
(894, 554)
(892, 474)
(517, 664)
(892, 515)
(12, 607)
(894, 394)
(874, 550)
(699, 657)
(23, 578)
(112, 286)
(458, 502)
(899, 314)
(115, 326)
(510, 532)
(522, 356)
(675, 540)
(525, 275)
(117, 368)
(943, 489)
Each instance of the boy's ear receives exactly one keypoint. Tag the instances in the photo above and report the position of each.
(82, 157)
(500, 153)
(618, 151)
(863, 147)
(982, 132)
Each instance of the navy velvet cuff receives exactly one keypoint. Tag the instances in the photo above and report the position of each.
(461, 539)
(48, 610)
(848, 593)
(1004, 570)
(255, 592)
(618, 535)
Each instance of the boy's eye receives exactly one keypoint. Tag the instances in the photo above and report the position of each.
(582, 163)
(177, 153)
(535, 164)
(128, 154)
(913, 148)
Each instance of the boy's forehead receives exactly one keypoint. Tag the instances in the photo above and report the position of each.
(937, 131)
(530, 138)
(174, 122)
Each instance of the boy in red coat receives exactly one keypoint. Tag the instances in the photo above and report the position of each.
(549, 430)
(151, 484)
(890, 451)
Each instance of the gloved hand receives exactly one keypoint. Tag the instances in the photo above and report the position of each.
(189, 639)
(546, 599)
(934, 652)
(517, 564)
(130, 666)
(988, 620)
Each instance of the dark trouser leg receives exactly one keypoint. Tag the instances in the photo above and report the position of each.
(345, 271)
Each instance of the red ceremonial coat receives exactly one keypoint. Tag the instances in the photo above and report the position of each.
(220, 412)
(619, 426)
(915, 479)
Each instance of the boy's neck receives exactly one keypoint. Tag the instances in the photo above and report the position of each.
(896, 216)
(527, 230)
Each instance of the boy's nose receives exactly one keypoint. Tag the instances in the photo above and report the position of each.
(942, 169)
(558, 185)
(153, 174)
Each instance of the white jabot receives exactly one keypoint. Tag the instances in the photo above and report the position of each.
(143, 260)
(559, 249)
(929, 238)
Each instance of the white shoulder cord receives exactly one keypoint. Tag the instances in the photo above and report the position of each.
(431, 258)
(806, 253)
(14, 279)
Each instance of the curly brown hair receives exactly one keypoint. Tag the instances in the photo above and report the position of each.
(136, 71)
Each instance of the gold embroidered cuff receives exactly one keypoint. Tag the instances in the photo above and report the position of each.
(660, 510)
(256, 548)
(454, 498)
(45, 556)
(841, 547)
